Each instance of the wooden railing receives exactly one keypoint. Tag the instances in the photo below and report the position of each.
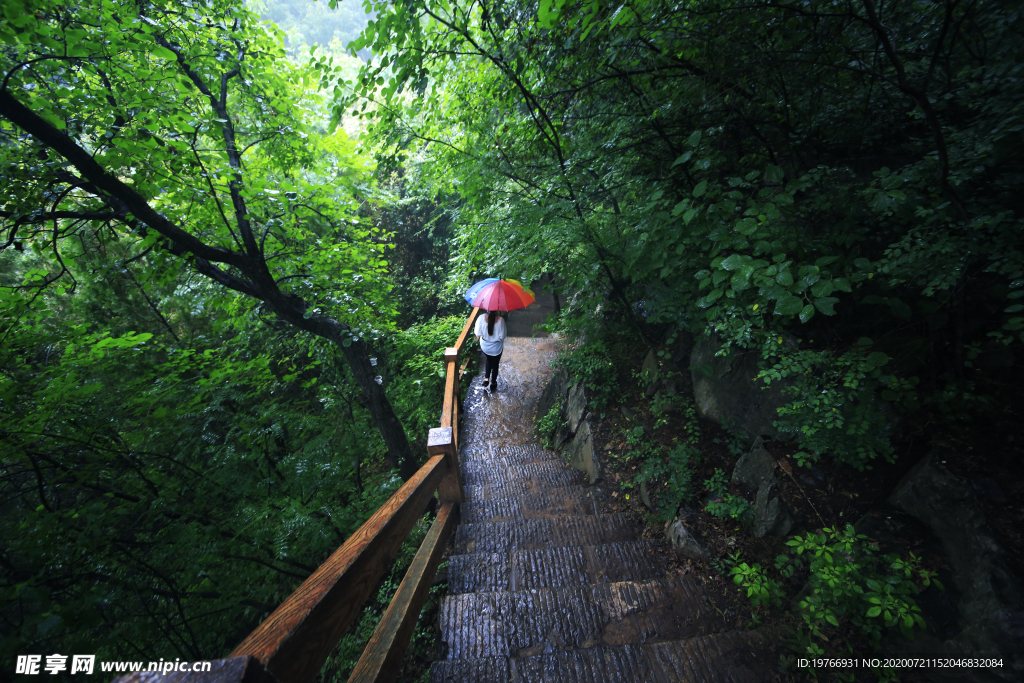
(293, 643)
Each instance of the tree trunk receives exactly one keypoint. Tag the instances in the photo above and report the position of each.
(357, 355)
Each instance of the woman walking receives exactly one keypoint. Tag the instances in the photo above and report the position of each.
(490, 330)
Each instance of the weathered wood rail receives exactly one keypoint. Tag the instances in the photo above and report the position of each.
(292, 644)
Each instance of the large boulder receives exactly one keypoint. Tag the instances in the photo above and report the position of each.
(575, 405)
(554, 393)
(770, 514)
(988, 597)
(755, 467)
(725, 391)
(581, 453)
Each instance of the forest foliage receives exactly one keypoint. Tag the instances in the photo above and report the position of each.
(199, 336)
(216, 307)
(832, 184)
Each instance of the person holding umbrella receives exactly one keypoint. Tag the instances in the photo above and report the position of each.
(490, 332)
(495, 295)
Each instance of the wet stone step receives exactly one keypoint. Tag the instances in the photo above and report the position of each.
(734, 656)
(517, 486)
(623, 664)
(630, 561)
(552, 567)
(524, 622)
(490, 670)
(727, 657)
(564, 500)
(511, 453)
(498, 473)
(537, 534)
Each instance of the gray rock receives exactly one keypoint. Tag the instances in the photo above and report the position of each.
(685, 542)
(989, 597)
(650, 372)
(645, 497)
(770, 514)
(724, 390)
(562, 435)
(581, 453)
(575, 406)
(628, 412)
(554, 393)
(755, 467)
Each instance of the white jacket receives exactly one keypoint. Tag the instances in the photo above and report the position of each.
(491, 344)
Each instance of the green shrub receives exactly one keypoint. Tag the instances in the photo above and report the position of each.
(849, 581)
(592, 364)
(730, 506)
(416, 381)
(761, 589)
(675, 473)
(547, 424)
(835, 407)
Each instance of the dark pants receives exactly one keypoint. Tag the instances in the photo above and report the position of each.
(491, 368)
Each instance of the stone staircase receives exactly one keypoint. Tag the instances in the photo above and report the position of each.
(542, 586)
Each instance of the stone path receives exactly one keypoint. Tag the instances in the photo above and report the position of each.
(543, 586)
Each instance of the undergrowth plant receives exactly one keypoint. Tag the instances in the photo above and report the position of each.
(834, 406)
(728, 505)
(850, 581)
(547, 424)
(761, 589)
(591, 363)
(675, 472)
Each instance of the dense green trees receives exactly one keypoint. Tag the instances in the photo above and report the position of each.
(196, 260)
(839, 174)
(154, 109)
(192, 288)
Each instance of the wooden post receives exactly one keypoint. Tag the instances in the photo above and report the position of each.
(382, 657)
(441, 441)
(451, 397)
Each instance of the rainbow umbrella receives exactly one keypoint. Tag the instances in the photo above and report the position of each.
(475, 289)
(499, 295)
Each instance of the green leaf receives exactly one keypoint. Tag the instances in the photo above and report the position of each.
(682, 158)
(163, 53)
(806, 313)
(874, 611)
(823, 288)
(694, 139)
(785, 278)
(701, 188)
(877, 359)
(826, 304)
(734, 262)
(773, 174)
(788, 305)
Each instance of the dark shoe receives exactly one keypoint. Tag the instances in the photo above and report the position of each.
(494, 386)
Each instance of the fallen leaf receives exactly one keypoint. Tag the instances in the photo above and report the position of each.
(787, 467)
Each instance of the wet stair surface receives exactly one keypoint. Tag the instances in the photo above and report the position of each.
(543, 586)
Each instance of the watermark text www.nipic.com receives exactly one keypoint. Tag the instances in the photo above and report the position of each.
(86, 664)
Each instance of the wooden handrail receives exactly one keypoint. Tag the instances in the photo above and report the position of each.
(461, 343)
(292, 644)
(383, 654)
